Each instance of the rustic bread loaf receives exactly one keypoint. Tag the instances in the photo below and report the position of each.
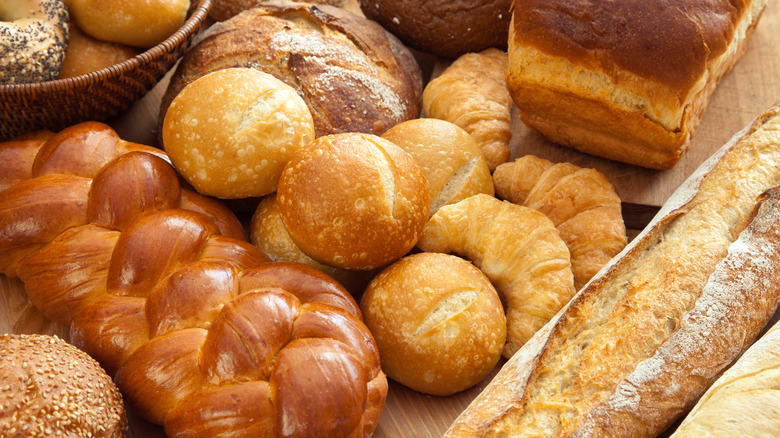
(353, 75)
(199, 331)
(637, 346)
(626, 80)
(224, 9)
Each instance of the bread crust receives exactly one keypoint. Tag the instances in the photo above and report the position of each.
(583, 77)
(642, 341)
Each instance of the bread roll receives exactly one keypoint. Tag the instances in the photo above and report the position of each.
(628, 81)
(353, 201)
(86, 54)
(50, 385)
(231, 132)
(450, 159)
(139, 23)
(224, 9)
(438, 322)
(353, 74)
(745, 400)
(445, 28)
(638, 345)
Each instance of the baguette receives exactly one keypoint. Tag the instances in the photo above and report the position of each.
(745, 400)
(639, 344)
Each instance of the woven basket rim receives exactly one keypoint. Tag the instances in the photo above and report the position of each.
(191, 25)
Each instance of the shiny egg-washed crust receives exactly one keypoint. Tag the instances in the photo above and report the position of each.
(201, 333)
(353, 75)
(33, 42)
(601, 78)
(638, 345)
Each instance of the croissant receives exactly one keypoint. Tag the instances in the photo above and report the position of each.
(517, 248)
(581, 203)
(472, 93)
(202, 334)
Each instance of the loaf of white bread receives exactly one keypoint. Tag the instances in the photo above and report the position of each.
(745, 400)
(625, 80)
(641, 342)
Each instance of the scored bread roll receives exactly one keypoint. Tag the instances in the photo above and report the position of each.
(50, 385)
(628, 81)
(638, 345)
(231, 132)
(353, 201)
(438, 322)
(450, 159)
(223, 9)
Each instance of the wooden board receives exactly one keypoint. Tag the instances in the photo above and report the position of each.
(750, 88)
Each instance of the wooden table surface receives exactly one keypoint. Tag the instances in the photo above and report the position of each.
(752, 86)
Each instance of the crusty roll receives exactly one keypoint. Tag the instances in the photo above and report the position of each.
(520, 251)
(452, 162)
(581, 203)
(745, 400)
(472, 93)
(628, 81)
(200, 331)
(52, 386)
(86, 54)
(353, 74)
(638, 345)
(268, 232)
(438, 322)
(222, 10)
(230, 133)
(353, 201)
(445, 28)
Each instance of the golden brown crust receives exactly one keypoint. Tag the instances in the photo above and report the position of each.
(86, 54)
(353, 75)
(638, 345)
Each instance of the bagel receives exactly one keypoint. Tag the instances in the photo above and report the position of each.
(33, 40)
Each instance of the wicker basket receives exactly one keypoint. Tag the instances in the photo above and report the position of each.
(99, 95)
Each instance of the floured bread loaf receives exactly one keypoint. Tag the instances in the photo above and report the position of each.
(638, 345)
(625, 80)
(353, 75)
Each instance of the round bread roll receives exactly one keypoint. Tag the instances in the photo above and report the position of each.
(446, 28)
(353, 201)
(50, 385)
(86, 54)
(140, 23)
(352, 73)
(231, 132)
(33, 40)
(449, 157)
(267, 232)
(438, 322)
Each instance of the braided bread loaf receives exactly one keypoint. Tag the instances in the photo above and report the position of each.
(202, 333)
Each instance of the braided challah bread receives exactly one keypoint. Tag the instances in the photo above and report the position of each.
(202, 333)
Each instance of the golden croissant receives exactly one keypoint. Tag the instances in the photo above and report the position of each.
(472, 94)
(517, 248)
(581, 203)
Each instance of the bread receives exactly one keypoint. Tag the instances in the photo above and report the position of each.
(201, 333)
(581, 203)
(353, 75)
(637, 346)
(268, 233)
(86, 54)
(230, 133)
(450, 159)
(353, 201)
(138, 23)
(517, 248)
(472, 93)
(50, 385)
(744, 400)
(438, 322)
(224, 9)
(601, 78)
(444, 28)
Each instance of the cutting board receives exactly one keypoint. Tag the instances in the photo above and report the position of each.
(751, 87)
